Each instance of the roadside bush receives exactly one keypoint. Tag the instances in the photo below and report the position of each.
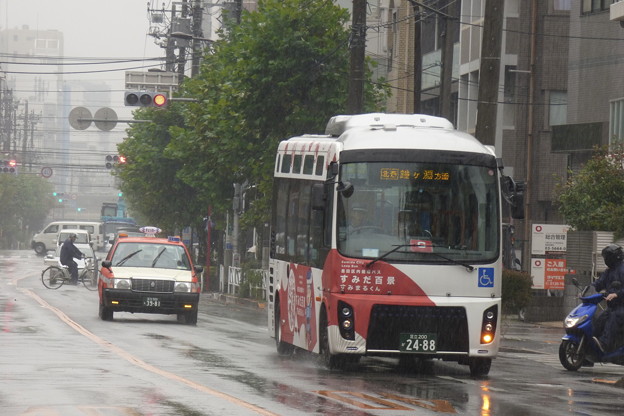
(251, 281)
(516, 291)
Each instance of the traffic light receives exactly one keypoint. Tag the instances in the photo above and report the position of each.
(145, 99)
(8, 166)
(112, 160)
(59, 197)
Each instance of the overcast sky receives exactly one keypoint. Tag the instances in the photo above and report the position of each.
(106, 28)
(91, 29)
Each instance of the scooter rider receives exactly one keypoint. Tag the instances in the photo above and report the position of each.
(608, 326)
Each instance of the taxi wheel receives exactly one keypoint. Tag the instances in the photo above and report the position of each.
(189, 318)
(106, 314)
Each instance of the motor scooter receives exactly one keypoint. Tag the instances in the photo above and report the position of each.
(577, 347)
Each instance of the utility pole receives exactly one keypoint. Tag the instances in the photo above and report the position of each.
(355, 99)
(197, 34)
(182, 49)
(170, 48)
(446, 73)
(417, 58)
(526, 252)
(239, 10)
(489, 72)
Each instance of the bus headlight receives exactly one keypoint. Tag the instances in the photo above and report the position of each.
(346, 321)
(488, 325)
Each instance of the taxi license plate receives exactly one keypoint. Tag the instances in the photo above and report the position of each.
(151, 302)
(419, 343)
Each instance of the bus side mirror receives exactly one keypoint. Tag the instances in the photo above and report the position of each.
(517, 206)
(345, 188)
(513, 193)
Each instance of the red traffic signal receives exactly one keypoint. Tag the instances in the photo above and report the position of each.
(145, 99)
(8, 166)
(112, 160)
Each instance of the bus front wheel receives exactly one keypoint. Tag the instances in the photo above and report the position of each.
(329, 360)
(283, 348)
(479, 366)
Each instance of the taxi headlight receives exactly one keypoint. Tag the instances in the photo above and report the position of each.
(572, 321)
(182, 287)
(123, 284)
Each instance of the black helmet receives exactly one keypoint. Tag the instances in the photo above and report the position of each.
(612, 255)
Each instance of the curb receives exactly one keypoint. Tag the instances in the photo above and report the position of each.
(230, 299)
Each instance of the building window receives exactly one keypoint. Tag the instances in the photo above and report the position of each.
(593, 6)
(616, 120)
(562, 5)
(558, 108)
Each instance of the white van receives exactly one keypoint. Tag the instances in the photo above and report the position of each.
(46, 239)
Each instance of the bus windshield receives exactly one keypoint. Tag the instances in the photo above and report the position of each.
(435, 212)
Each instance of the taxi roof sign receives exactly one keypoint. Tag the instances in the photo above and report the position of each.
(150, 231)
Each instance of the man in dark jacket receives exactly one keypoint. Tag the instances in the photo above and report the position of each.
(608, 326)
(68, 252)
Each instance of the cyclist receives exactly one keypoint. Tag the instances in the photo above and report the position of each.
(68, 252)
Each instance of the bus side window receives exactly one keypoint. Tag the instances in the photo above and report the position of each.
(279, 222)
(291, 223)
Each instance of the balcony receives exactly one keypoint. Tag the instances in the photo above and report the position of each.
(617, 11)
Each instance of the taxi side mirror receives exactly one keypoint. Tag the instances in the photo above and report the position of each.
(198, 269)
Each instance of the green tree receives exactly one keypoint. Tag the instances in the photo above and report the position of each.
(149, 179)
(593, 197)
(282, 71)
(26, 201)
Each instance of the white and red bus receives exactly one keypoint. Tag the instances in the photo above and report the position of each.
(386, 240)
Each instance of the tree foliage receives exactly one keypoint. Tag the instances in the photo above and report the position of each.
(26, 201)
(593, 197)
(149, 177)
(282, 71)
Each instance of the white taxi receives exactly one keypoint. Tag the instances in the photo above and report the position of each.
(149, 275)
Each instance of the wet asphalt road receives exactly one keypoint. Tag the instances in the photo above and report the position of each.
(58, 358)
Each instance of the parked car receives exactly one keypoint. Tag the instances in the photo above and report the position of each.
(46, 239)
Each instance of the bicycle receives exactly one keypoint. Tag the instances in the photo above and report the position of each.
(56, 276)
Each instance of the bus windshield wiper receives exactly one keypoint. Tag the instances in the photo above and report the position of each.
(122, 261)
(386, 254)
(450, 260)
(397, 247)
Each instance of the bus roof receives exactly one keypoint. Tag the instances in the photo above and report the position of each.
(337, 125)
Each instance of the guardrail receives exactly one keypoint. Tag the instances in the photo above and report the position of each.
(238, 283)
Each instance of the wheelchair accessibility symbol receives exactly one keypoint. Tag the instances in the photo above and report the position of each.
(486, 277)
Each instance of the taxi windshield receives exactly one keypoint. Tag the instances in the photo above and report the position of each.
(152, 255)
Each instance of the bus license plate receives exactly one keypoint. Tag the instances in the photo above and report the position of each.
(421, 343)
(151, 302)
